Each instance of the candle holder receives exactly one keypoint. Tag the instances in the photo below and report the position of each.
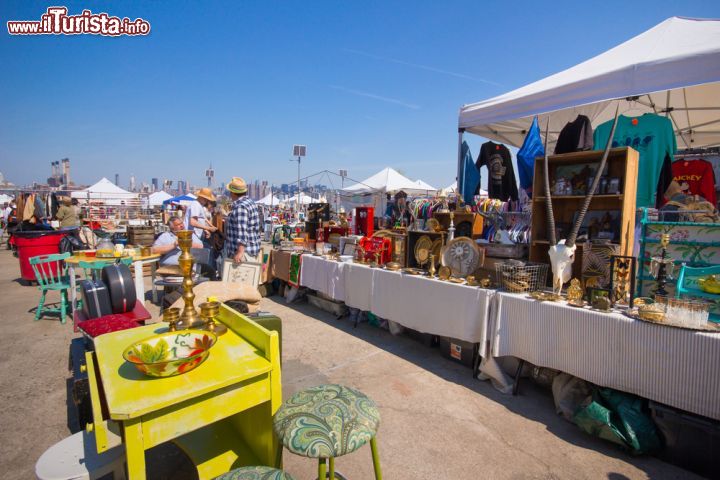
(208, 312)
(189, 317)
(451, 228)
(662, 267)
(171, 315)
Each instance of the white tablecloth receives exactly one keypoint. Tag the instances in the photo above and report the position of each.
(432, 306)
(673, 366)
(359, 286)
(325, 276)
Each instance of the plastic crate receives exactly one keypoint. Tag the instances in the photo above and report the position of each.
(691, 441)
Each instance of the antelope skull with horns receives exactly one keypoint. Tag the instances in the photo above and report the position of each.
(562, 253)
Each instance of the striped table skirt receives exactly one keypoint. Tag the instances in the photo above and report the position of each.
(674, 366)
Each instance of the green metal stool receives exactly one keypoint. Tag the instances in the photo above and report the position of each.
(51, 274)
(326, 422)
(255, 473)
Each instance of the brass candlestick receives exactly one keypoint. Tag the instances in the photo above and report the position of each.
(171, 315)
(189, 317)
(208, 312)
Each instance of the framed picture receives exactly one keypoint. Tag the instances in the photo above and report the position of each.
(349, 249)
(247, 273)
(622, 279)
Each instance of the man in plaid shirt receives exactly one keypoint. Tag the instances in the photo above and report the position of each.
(242, 226)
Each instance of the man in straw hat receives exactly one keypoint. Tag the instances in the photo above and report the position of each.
(242, 226)
(196, 217)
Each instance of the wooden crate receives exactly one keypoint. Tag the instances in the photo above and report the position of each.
(622, 164)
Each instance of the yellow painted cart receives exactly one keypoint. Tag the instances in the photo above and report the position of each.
(220, 413)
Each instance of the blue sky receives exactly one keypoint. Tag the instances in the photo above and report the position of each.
(364, 84)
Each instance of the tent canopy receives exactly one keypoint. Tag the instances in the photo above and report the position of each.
(157, 198)
(387, 180)
(105, 190)
(672, 69)
(425, 186)
(304, 199)
(452, 188)
(180, 199)
(268, 200)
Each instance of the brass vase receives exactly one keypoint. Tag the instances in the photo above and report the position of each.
(189, 317)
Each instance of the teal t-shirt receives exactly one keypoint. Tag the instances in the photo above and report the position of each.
(653, 137)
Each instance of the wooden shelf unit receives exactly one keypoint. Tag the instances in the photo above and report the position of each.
(622, 163)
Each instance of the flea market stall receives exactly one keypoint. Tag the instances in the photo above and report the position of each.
(600, 262)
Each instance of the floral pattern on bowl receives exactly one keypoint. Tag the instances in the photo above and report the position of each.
(170, 353)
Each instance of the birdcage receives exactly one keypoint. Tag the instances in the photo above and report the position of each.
(518, 277)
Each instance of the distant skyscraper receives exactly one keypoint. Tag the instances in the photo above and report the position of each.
(155, 185)
(132, 183)
(210, 174)
(117, 179)
(65, 171)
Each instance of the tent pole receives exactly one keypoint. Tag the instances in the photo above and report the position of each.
(460, 165)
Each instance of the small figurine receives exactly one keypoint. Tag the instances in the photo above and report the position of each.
(575, 293)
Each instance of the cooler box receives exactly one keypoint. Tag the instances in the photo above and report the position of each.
(33, 243)
(458, 350)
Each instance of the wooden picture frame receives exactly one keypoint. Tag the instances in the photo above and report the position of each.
(247, 273)
(623, 274)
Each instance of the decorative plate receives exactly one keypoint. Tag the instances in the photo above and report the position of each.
(462, 255)
(432, 225)
(437, 248)
(382, 234)
(444, 273)
(170, 353)
(423, 247)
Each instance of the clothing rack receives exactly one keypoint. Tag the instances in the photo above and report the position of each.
(697, 152)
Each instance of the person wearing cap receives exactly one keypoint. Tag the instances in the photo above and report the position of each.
(196, 217)
(242, 225)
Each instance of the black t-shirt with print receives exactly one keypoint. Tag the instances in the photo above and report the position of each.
(502, 184)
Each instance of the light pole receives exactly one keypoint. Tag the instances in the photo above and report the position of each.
(299, 152)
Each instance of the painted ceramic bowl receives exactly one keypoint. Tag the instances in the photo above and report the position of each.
(170, 353)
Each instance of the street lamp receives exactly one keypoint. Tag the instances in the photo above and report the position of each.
(299, 152)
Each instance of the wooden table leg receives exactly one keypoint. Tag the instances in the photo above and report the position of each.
(139, 282)
(153, 268)
(73, 289)
(134, 449)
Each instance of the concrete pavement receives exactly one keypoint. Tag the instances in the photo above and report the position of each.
(437, 422)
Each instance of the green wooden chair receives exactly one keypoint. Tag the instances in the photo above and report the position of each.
(326, 422)
(255, 473)
(687, 285)
(51, 274)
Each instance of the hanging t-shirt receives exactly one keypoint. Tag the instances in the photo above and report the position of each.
(653, 137)
(699, 177)
(501, 182)
(575, 136)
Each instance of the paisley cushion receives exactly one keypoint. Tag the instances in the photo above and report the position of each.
(326, 421)
(255, 473)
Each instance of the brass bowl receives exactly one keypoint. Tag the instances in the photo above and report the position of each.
(393, 266)
(651, 312)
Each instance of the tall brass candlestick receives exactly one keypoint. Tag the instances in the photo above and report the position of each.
(189, 317)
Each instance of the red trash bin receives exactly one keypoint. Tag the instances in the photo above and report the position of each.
(33, 243)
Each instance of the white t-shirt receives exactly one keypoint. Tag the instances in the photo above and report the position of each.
(171, 257)
(198, 211)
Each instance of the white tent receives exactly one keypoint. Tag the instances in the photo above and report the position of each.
(387, 180)
(425, 186)
(672, 69)
(5, 198)
(156, 199)
(304, 199)
(107, 191)
(452, 188)
(268, 200)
